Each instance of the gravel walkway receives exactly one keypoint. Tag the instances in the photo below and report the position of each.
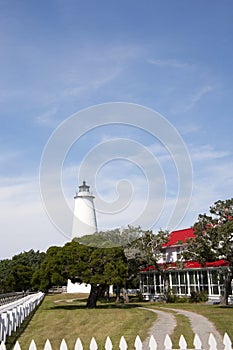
(166, 323)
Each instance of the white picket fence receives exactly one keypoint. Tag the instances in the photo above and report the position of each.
(197, 344)
(13, 314)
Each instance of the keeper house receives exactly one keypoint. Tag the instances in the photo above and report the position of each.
(182, 278)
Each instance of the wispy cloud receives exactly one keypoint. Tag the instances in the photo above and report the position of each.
(189, 128)
(188, 103)
(47, 118)
(207, 152)
(95, 82)
(172, 63)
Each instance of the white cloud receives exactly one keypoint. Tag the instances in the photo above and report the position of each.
(47, 118)
(172, 63)
(207, 152)
(23, 221)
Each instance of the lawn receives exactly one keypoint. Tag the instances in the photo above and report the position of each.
(65, 316)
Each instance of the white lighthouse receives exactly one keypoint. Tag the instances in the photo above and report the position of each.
(84, 222)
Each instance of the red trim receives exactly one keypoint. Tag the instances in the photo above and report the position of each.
(187, 265)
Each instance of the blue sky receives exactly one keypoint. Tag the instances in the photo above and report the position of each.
(60, 57)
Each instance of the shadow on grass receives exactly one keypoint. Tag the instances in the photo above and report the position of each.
(225, 306)
(99, 307)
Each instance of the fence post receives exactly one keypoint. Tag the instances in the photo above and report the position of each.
(152, 343)
(182, 343)
(78, 345)
(212, 342)
(123, 345)
(197, 342)
(168, 343)
(93, 344)
(108, 344)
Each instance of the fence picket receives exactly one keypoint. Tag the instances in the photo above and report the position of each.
(182, 343)
(168, 343)
(63, 345)
(152, 343)
(138, 343)
(32, 345)
(123, 345)
(48, 345)
(197, 342)
(227, 342)
(93, 344)
(78, 345)
(17, 346)
(212, 342)
(108, 344)
(2, 346)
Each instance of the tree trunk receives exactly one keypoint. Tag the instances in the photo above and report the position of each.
(125, 295)
(227, 289)
(118, 292)
(93, 297)
(95, 293)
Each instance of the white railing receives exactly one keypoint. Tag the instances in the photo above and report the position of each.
(197, 344)
(13, 314)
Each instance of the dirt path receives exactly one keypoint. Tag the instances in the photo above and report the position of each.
(166, 323)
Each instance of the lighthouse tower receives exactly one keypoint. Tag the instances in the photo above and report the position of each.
(84, 222)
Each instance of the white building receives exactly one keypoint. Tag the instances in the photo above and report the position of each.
(182, 278)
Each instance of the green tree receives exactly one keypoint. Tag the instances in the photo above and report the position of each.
(7, 282)
(99, 267)
(147, 249)
(51, 271)
(214, 240)
(16, 273)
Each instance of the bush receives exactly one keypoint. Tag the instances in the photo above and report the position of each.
(197, 297)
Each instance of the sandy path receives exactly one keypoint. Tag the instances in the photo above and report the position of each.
(166, 323)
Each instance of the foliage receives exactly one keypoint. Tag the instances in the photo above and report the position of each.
(112, 238)
(16, 273)
(214, 240)
(141, 248)
(144, 251)
(197, 297)
(99, 267)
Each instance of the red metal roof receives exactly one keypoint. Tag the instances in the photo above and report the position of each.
(179, 236)
(187, 265)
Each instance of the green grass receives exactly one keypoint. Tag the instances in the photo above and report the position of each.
(65, 316)
(183, 327)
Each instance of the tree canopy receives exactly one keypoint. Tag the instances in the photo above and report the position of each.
(214, 240)
(16, 273)
(99, 267)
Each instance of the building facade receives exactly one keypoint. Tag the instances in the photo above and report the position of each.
(182, 278)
